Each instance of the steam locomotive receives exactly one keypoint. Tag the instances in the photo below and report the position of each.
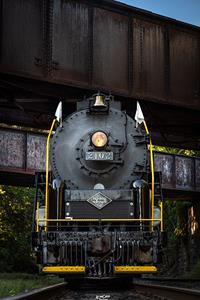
(98, 211)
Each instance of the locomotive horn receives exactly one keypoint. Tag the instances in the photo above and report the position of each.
(100, 101)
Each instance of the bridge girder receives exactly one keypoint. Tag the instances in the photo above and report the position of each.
(52, 50)
(23, 153)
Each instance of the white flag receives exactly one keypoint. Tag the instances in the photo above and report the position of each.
(58, 113)
(139, 117)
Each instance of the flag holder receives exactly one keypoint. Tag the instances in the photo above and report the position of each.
(58, 117)
(139, 117)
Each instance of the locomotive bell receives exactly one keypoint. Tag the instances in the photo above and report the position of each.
(100, 101)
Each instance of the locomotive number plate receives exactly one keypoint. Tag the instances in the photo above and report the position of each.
(99, 156)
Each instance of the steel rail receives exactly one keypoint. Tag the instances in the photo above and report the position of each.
(146, 289)
(171, 292)
(42, 293)
(169, 279)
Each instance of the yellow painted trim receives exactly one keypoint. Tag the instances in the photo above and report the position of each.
(64, 269)
(47, 175)
(37, 217)
(97, 220)
(152, 175)
(161, 216)
(127, 269)
(135, 220)
(146, 128)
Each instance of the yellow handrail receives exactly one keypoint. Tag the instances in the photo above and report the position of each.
(47, 175)
(37, 217)
(97, 220)
(152, 174)
(161, 216)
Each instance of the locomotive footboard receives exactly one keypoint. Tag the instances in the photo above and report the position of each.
(98, 253)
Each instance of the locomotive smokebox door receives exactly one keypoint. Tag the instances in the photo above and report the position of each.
(98, 146)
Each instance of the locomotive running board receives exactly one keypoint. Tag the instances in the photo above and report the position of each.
(134, 269)
(64, 269)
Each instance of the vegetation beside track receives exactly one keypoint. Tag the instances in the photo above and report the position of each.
(14, 283)
(16, 210)
(194, 273)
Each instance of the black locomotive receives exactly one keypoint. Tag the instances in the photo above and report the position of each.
(95, 212)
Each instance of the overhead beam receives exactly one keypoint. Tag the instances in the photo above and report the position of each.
(22, 153)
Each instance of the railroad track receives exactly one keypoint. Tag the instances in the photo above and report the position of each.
(164, 292)
(98, 291)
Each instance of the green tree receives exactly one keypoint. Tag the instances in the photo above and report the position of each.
(16, 207)
(177, 151)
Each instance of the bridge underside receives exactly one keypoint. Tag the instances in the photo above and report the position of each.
(18, 177)
(22, 153)
(32, 103)
(52, 50)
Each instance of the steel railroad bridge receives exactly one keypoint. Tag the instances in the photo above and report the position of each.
(52, 50)
(22, 153)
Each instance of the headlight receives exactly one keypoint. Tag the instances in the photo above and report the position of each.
(99, 139)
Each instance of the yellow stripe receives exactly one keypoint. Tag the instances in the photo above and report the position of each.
(47, 175)
(121, 269)
(152, 175)
(97, 220)
(161, 216)
(64, 269)
(37, 217)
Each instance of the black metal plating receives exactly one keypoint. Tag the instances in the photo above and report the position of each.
(120, 204)
(99, 251)
(130, 55)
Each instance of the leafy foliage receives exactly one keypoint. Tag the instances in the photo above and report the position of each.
(14, 283)
(177, 151)
(176, 216)
(16, 207)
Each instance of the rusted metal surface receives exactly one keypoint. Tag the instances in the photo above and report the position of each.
(178, 172)
(70, 40)
(12, 149)
(184, 66)
(21, 37)
(23, 153)
(163, 164)
(36, 151)
(110, 50)
(197, 173)
(149, 60)
(67, 49)
(102, 44)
